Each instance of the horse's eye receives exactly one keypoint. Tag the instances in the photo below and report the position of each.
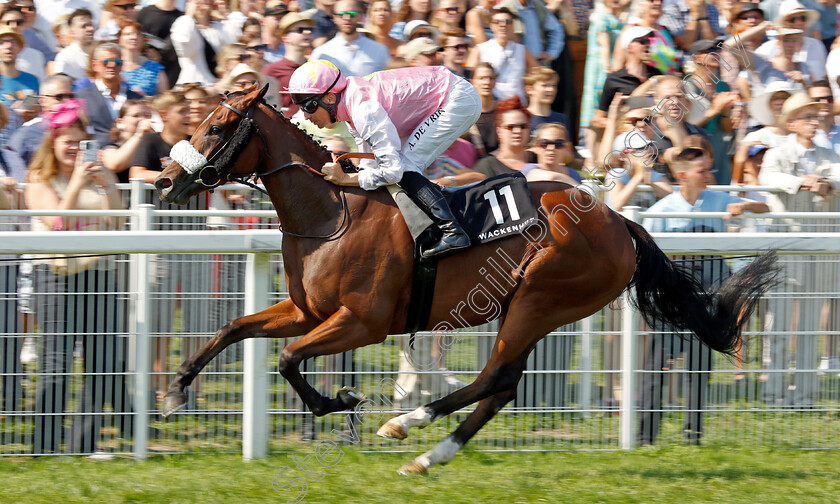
(214, 130)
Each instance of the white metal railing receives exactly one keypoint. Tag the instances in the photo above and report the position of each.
(140, 241)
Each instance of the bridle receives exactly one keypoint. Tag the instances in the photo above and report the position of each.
(194, 161)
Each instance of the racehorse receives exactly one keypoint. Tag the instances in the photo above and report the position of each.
(349, 256)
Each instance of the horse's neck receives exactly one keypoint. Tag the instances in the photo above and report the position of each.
(304, 203)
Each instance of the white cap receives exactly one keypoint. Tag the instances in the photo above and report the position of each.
(634, 32)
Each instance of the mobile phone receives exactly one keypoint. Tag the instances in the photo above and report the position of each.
(637, 102)
(90, 150)
(29, 102)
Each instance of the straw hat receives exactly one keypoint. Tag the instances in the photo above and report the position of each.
(759, 105)
(795, 103)
(793, 7)
(8, 31)
(291, 18)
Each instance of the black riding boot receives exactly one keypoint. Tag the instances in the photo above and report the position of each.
(431, 200)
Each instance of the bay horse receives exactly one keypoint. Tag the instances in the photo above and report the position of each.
(349, 256)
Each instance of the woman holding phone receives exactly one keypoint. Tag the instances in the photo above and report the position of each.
(74, 296)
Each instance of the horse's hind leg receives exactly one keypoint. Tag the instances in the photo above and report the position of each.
(341, 332)
(446, 450)
(279, 321)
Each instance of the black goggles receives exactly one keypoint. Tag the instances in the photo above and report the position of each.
(310, 104)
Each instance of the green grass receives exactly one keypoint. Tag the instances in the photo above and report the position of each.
(674, 475)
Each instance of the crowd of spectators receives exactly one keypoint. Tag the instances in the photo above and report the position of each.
(672, 94)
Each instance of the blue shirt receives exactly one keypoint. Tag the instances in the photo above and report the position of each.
(17, 88)
(709, 201)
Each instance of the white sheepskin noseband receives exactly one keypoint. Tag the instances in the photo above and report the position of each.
(188, 157)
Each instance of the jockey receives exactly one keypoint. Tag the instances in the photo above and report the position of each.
(405, 117)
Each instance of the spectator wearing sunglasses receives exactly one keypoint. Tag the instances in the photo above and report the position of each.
(352, 53)
(448, 15)
(117, 15)
(29, 60)
(25, 140)
(828, 134)
(793, 15)
(108, 92)
(295, 30)
(455, 47)
(554, 153)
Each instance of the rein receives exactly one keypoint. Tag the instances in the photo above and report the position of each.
(194, 161)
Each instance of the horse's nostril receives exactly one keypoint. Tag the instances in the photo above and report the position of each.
(163, 183)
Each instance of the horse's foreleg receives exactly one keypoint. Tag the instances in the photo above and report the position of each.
(279, 321)
(446, 450)
(341, 332)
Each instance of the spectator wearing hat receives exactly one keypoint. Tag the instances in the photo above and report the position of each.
(809, 177)
(793, 15)
(243, 76)
(455, 47)
(295, 30)
(410, 11)
(418, 28)
(73, 59)
(156, 20)
(636, 43)
(691, 20)
(511, 60)
(749, 22)
(663, 51)
(766, 109)
(421, 52)
(15, 85)
(773, 9)
(540, 30)
(29, 60)
(269, 31)
(325, 27)
(828, 134)
(352, 53)
(796, 71)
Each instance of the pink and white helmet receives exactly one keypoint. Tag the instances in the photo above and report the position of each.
(316, 77)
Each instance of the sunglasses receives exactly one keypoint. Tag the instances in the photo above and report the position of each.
(310, 105)
(511, 127)
(60, 96)
(502, 21)
(126, 7)
(115, 61)
(13, 22)
(459, 47)
(558, 144)
(244, 57)
(352, 14)
(828, 98)
(426, 34)
(808, 117)
(753, 17)
(261, 47)
(301, 29)
(795, 19)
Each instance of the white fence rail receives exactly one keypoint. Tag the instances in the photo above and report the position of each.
(572, 395)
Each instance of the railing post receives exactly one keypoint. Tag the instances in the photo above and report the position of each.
(629, 318)
(586, 366)
(255, 383)
(140, 320)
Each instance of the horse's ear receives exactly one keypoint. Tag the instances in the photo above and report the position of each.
(263, 90)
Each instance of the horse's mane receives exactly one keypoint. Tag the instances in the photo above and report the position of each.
(301, 135)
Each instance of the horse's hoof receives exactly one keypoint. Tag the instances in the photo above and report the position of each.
(392, 430)
(172, 402)
(413, 468)
(350, 397)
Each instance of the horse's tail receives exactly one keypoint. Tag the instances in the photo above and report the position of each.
(667, 293)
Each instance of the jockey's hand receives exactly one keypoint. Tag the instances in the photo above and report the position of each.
(335, 174)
